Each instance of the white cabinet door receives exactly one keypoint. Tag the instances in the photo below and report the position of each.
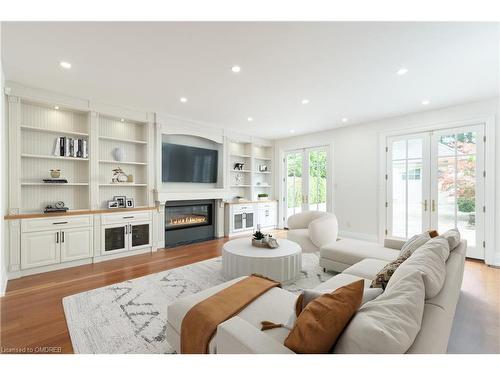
(140, 235)
(76, 244)
(114, 238)
(40, 249)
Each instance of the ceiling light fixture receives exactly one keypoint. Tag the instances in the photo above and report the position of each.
(292, 130)
(250, 119)
(402, 71)
(183, 100)
(65, 64)
(344, 119)
(425, 102)
(56, 107)
(236, 69)
(305, 101)
(122, 120)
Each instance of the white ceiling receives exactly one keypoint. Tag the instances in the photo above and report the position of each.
(344, 69)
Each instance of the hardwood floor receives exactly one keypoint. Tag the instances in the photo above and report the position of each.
(32, 315)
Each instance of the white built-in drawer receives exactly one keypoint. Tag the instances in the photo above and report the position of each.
(125, 216)
(54, 223)
(243, 207)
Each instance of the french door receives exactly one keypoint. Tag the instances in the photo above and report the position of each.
(435, 180)
(306, 180)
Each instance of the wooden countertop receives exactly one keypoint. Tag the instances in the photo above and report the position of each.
(74, 212)
(247, 202)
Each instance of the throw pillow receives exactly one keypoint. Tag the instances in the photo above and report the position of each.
(414, 243)
(324, 318)
(308, 295)
(384, 275)
(433, 233)
(430, 261)
(388, 324)
(453, 238)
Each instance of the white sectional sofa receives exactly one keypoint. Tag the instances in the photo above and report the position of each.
(241, 334)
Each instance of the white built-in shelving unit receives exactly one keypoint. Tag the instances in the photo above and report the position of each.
(34, 127)
(251, 180)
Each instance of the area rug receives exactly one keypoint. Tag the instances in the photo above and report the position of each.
(131, 317)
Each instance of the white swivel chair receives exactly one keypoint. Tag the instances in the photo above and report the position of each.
(312, 229)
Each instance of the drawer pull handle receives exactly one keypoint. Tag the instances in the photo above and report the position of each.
(62, 237)
(128, 217)
(60, 222)
(57, 237)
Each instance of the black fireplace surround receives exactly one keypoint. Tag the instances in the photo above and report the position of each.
(189, 221)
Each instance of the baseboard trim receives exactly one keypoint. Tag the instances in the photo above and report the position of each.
(359, 236)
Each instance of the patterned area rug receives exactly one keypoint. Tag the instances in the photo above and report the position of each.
(130, 317)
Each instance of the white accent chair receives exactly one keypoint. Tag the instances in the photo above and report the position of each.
(312, 229)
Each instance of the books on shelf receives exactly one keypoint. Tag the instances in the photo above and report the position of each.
(71, 147)
(55, 180)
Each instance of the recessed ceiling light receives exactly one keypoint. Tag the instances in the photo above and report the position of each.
(122, 120)
(425, 102)
(344, 119)
(305, 101)
(402, 71)
(183, 100)
(236, 69)
(250, 119)
(56, 107)
(292, 130)
(65, 64)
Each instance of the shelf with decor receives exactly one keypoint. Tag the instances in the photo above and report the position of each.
(123, 160)
(49, 142)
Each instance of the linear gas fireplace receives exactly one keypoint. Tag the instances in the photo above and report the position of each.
(189, 221)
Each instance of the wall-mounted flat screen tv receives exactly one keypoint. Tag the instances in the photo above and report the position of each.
(188, 164)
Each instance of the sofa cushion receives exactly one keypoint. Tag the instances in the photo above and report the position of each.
(340, 280)
(367, 268)
(388, 324)
(430, 260)
(322, 321)
(350, 251)
(453, 238)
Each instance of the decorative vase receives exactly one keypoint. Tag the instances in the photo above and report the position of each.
(119, 154)
(55, 173)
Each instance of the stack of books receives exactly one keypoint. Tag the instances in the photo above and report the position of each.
(72, 147)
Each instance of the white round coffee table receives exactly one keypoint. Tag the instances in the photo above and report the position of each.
(240, 258)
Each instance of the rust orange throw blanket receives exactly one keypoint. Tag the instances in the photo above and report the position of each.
(200, 323)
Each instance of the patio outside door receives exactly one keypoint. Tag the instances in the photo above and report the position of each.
(306, 180)
(435, 181)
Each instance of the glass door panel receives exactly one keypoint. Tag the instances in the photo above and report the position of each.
(140, 235)
(406, 188)
(115, 238)
(458, 192)
(294, 198)
(317, 180)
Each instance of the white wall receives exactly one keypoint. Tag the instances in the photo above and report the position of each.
(3, 188)
(355, 166)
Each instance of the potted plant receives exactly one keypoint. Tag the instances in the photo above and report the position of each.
(263, 196)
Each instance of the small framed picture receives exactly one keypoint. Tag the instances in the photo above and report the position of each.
(130, 202)
(121, 200)
(263, 168)
(112, 204)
